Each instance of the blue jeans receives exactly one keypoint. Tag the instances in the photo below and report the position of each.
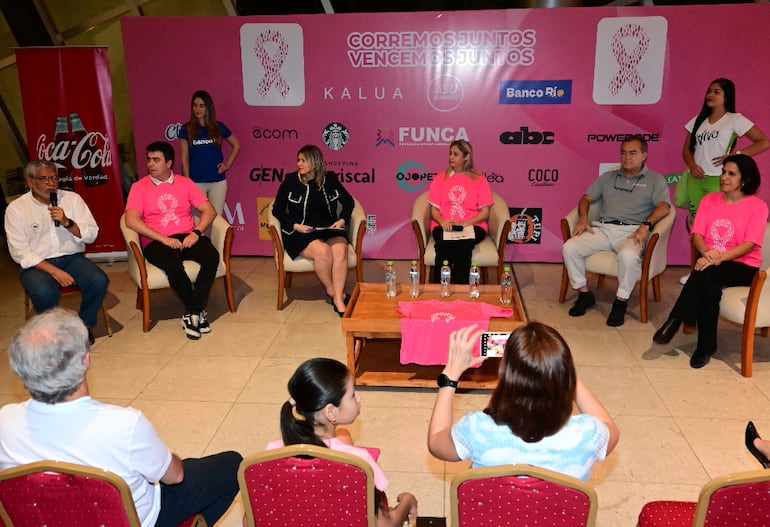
(44, 290)
(208, 488)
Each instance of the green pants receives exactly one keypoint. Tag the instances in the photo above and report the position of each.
(696, 189)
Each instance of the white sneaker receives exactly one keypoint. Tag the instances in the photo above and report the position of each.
(190, 326)
(684, 279)
(203, 324)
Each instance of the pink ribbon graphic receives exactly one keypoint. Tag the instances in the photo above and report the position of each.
(272, 64)
(628, 73)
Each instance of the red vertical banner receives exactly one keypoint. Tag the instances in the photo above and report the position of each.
(67, 100)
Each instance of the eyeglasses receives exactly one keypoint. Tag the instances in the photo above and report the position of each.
(626, 189)
(47, 179)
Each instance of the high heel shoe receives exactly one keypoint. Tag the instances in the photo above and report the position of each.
(751, 435)
(666, 331)
(345, 299)
(339, 313)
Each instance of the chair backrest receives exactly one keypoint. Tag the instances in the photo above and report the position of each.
(130, 235)
(735, 499)
(514, 494)
(58, 493)
(766, 248)
(421, 214)
(307, 485)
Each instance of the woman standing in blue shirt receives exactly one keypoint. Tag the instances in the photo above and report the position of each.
(201, 145)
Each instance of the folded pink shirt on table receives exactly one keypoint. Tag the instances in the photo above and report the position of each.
(427, 324)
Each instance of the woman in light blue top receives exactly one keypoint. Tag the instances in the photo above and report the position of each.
(529, 416)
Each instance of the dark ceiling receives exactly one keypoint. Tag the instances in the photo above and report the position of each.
(262, 7)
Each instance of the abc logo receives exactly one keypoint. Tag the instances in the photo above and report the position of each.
(524, 136)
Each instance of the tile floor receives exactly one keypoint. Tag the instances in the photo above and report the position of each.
(679, 427)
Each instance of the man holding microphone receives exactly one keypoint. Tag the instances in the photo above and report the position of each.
(47, 231)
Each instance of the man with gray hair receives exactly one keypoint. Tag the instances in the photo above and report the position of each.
(51, 355)
(47, 231)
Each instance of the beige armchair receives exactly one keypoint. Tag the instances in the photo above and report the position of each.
(604, 263)
(147, 277)
(750, 307)
(286, 267)
(489, 253)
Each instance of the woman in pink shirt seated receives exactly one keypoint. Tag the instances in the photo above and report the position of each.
(459, 198)
(322, 396)
(728, 232)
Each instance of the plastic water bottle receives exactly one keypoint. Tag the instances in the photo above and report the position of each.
(506, 285)
(474, 278)
(414, 280)
(390, 280)
(446, 278)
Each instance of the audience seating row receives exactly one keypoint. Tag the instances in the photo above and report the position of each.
(313, 486)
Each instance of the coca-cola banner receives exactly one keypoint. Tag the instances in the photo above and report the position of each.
(544, 95)
(67, 100)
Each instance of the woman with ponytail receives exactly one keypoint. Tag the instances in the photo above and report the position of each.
(322, 396)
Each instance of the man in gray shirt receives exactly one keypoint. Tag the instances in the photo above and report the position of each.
(631, 199)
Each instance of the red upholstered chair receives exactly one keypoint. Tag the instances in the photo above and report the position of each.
(307, 485)
(741, 499)
(61, 494)
(515, 494)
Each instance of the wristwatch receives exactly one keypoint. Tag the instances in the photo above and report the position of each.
(443, 381)
(196, 231)
(69, 224)
(648, 223)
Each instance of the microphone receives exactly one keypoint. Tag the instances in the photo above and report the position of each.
(54, 199)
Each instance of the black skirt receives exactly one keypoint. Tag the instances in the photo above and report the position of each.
(296, 242)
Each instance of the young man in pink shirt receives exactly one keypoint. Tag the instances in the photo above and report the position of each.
(159, 208)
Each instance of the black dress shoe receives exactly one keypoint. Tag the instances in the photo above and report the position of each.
(91, 338)
(666, 331)
(339, 313)
(617, 313)
(751, 435)
(699, 359)
(583, 302)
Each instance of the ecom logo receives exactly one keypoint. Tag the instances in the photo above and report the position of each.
(412, 176)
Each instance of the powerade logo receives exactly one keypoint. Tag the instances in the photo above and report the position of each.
(412, 176)
(536, 92)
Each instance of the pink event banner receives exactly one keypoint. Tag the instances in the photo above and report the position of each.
(544, 95)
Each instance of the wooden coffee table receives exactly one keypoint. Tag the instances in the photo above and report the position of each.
(373, 336)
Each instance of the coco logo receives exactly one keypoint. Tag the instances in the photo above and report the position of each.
(412, 176)
(543, 177)
(524, 136)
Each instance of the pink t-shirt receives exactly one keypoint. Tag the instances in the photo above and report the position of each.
(365, 453)
(427, 324)
(458, 196)
(166, 208)
(726, 225)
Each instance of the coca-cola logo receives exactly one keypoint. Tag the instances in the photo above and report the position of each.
(90, 151)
